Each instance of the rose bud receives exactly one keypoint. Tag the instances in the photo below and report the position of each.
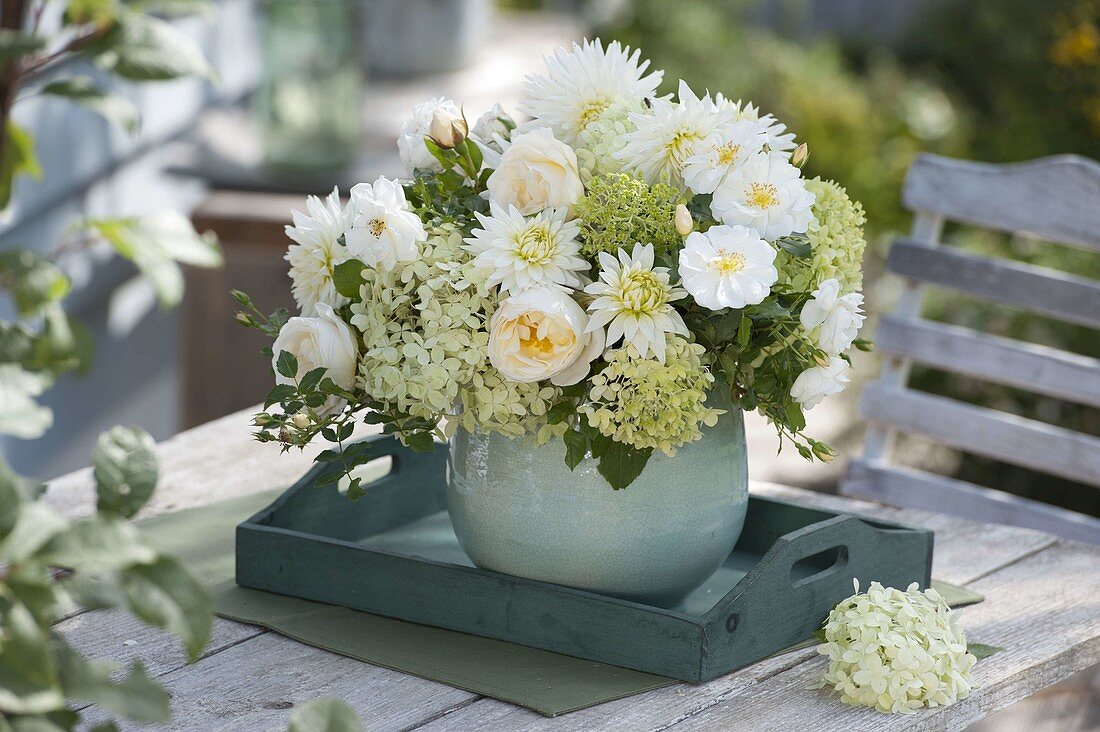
(447, 129)
(800, 155)
(684, 223)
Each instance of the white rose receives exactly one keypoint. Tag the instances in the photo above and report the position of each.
(837, 317)
(539, 334)
(410, 143)
(322, 342)
(384, 231)
(535, 172)
(496, 123)
(818, 382)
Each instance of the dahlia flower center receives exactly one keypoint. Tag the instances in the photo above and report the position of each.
(376, 227)
(642, 292)
(535, 245)
(728, 153)
(762, 195)
(681, 145)
(726, 263)
(592, 111)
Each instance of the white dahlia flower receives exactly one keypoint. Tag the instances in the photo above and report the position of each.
(633, 299)
(582, 83)
(727, 267)
(384, 231)
(527, 252)
(316, 252)
(766, 193)
(837, 318)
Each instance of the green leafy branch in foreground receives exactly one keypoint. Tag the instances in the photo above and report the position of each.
(107, 563)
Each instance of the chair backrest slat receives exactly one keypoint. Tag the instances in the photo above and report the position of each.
(894, 484)
(1038, 289)
(1055, 198)
(987, 432)
(1035, 368)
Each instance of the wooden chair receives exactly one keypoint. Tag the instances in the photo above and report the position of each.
(1055, 199)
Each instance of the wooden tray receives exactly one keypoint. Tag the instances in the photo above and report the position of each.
(394, 552)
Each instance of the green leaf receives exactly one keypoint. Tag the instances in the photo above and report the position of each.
(560, 412)
(136, 696)
(20, 415)
(325, 715)
(576, 445)
(16, 343)
(28, 676)
(744, 332)
(311, 379)
(14, 43)
(143, 48)
(83, 91)
(34, 281)
(347, 277)
(125, 469)
(620, 464)
(98, 544)
(64, 344)
(981, 650)
(796, 246)
(770, 309)
(420, 441)
(35, 524)
(165, 595)
(279, 394)
(796, 419)
(18, 159)
(157, 244)
(97, 12)
(287, 364)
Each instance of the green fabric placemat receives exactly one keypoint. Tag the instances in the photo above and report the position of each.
(546, 682)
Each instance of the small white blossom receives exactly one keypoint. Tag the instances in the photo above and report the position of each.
(723, 151)
(316, 251)
(633, 299)
(493, 128)
(525, 252)
(766, 193)
(410, 143)
(896, 651)
(818, 382)
(384, 230)
(727, 267)
(836, 317)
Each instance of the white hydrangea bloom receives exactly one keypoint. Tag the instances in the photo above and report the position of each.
(599, 144)
(727, 267)
(581, 84)
(634, 300)
(669, 133)
(384, 230)
(817, 382)
(523, 252)
(837, 318)
(896, 651)
(766, 193)
(410, 143)
(725, 150)
(316, 252)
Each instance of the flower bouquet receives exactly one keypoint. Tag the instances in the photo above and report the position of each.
(603, 283)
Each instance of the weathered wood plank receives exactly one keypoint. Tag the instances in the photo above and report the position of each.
(1028, 366)
(1053, 198)
(1041, 648)
(1038, 289)
(256, 684)
(1016, 440)
(903, 486)
(965, 551)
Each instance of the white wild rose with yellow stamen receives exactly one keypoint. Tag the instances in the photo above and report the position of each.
(384, 230)
(727, 267)
(768, 194)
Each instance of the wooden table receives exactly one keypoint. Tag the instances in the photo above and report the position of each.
(1042, 606)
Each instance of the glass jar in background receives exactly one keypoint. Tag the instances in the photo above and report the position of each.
(308, 107)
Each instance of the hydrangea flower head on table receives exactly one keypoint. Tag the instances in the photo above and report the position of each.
(598, 274)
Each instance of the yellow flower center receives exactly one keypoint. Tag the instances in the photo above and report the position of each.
(679, 148)
(728, 153)
(532, 344)
(642, 292)
(592, 111)
(535, 245)
(726, 263)
(376, 227)
(762, 195)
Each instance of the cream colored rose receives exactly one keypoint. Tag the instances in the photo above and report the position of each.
(535, 172)
(539, 334)
(325, 341)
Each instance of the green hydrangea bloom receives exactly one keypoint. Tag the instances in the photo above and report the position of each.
(648, 404)
(599, 142)
(425, 342)
(619, 210)
(836, 240)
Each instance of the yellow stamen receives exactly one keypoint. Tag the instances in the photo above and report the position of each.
(376, 227)
(726, 263)
(728, 153)
(762, 195)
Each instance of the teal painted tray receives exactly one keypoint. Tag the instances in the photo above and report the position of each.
(394, 553)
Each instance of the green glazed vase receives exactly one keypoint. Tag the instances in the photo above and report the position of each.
(518, 509)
